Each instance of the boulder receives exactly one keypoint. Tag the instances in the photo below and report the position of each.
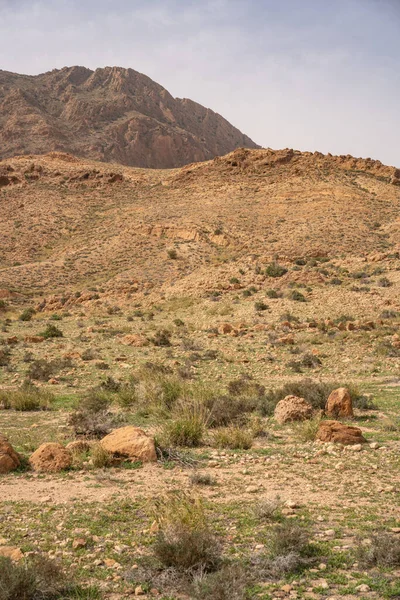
(11, 552)
(339, 403)
(51, 458)
(130, 442)
(9, 459)
(334, 431)
(292, 408)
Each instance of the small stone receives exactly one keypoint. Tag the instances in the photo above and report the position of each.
(374, 445)
(79, 543)
(252, 489)
(322, 566)
(363, 588)
(139, 591)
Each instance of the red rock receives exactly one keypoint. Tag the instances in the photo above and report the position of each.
(339, 403)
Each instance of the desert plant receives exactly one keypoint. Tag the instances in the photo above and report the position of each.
(234, 438)
(228, 583)
(26, 398)
(5, 357)
(51, 331)
(27, 314)
(306, 431)
(260, 306)
(187, 426)
(30, 580)
(198, 478)
(184, 539)
(275, 270)
(172, 254)
(162, 337)
(383, 551)
(269, 509)
(384, 282)
(297, 296)
(101, 458)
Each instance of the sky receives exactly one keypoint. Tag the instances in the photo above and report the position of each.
(305, 74)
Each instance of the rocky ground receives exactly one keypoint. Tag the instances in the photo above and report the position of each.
(206, 338)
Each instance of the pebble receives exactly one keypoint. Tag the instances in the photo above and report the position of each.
(374, 445)
(363, 588)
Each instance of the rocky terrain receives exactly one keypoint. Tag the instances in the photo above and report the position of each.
(199, 378)
(112, 115)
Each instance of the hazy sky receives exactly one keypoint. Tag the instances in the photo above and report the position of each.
(306, 74)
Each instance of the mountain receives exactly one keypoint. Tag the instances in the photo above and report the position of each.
(71, 224)
(110, 115)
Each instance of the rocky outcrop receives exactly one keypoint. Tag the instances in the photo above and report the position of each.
(292, 408)
(111, 114)
(51, 458)
(9, 459)
(334, 431)
(130, 442)
(339, 404)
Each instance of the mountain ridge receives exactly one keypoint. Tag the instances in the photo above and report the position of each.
(110, 114)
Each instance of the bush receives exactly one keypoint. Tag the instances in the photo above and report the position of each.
(5, 357)
(297, 296)
(184, 540)
(229, 583)
(275, 270)
(27, 314)
(197, 478)
(260, 306)
(233, 438)
(92, 417)
(269, 509)
(38, 578)
(306, 431)
(51, 331)
(272, 294)
(384, 551)
(172, 254)
(188, 427)
(101, 458)
(225, 410)
(162, 338)
(26, 398)
(384, 282)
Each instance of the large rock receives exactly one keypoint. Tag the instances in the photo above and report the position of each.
(51, 458)
(9, 459)
(130, 442)
(292, 408)
(334, 431)
(11, 552)
(339, 403)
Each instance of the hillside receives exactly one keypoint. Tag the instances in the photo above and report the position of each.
(66, 223)
(111, 115)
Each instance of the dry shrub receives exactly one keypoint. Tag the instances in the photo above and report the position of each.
(306, 431)
(92, 417)
(229, 583)
(383, 551)
(26, 398)
(269, 509)
(38, 578)
(198, 478)
(184, 540)
(233, 438)
(101, 458)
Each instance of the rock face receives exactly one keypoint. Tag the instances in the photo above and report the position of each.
(9, 459)
(334, 431)
(130, 442)
(339, 404)
(292, 408)
(111, 114)
(51, 458)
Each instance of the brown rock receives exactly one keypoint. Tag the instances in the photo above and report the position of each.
(51, 458)
(134, 340)
(225, 328)
(12, 340)
(9, 459)
(286, 340)
(11, 552)
(130, 442)
(339, 403)
(334, 431)
(292, 408)
(34, 339)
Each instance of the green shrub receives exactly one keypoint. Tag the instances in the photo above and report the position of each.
(275, 270)
(51, 331)
(297, 296)
(172, 254)
(272, 294)
(260, 306)
(27, 314)
(5, 357)
(162, 338)
(188, 426)
(101, 458)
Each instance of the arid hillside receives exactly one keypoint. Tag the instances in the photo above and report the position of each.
(112, 115)
(68, 224)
